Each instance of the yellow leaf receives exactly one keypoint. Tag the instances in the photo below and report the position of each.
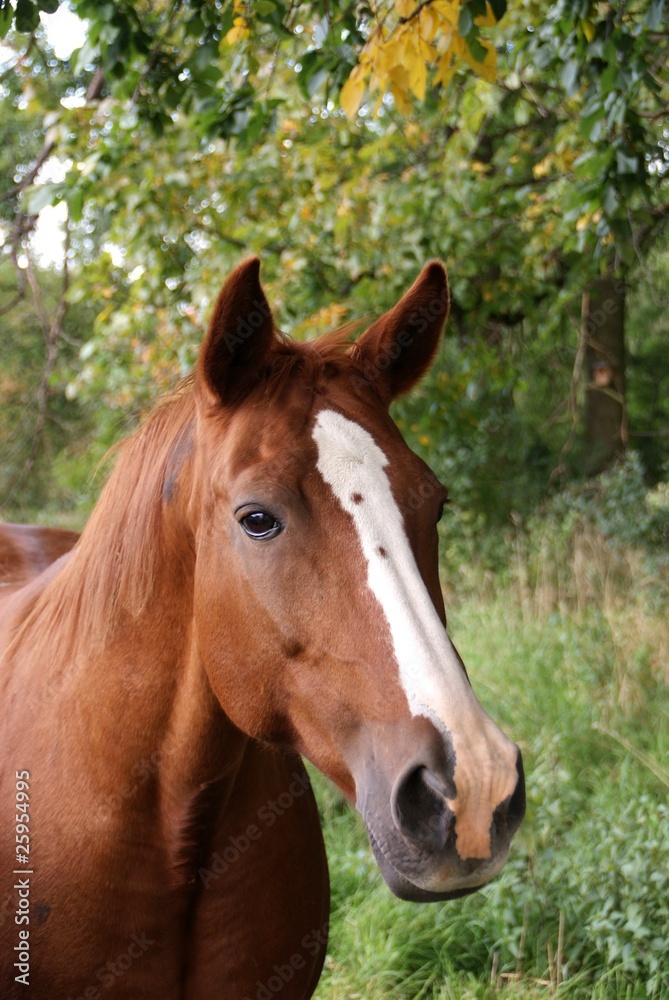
(589, 29)
(446, 69)
(428, 23)
(238, 32)
(427, 51)
(566, 159)
(543, 167)
(401, 99)
(370, 51)
(351, 94)
(405, 8)
(385, 60)
(418, 77)
(487, 20)
(400, 78)
(449, 10)
(487, 68)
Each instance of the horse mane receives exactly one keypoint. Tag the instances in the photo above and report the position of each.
(116, 563)
(315, 360)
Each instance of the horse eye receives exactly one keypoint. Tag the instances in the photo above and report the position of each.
(260, 524)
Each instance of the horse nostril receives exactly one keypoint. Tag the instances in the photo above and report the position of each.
(517, 801)
(509, 814)
(419, 809)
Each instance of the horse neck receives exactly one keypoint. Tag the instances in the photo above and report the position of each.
(116, 622)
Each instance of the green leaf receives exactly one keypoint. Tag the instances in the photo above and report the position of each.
(655, 14)
(40, 197)
(597, 130)
(85, 56)
(5, 20)
(49, 6)
(498, 8)
(315, 70)
(593, 164)
(609, 80)
(27, 16)
(475, 47)
(569, 76)
(477, 7)
(75, 201)
(465, 22)
(610, 200)
(625, 163)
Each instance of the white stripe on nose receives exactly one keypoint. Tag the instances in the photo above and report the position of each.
(353, 465)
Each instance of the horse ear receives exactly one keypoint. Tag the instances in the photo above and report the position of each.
(399, 348)
(239, 336)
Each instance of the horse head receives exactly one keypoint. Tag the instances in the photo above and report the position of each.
(317, 607)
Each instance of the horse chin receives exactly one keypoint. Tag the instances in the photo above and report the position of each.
(404, 889)
(402, 886)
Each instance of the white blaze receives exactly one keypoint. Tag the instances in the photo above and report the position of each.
(353, 465)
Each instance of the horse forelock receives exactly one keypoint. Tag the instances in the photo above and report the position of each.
(310, 363)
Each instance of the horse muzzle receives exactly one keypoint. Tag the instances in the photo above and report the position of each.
(439, 830)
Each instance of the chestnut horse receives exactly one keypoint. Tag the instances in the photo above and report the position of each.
(26, 550)
(258, 581)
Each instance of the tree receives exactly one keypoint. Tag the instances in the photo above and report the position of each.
(200, 141)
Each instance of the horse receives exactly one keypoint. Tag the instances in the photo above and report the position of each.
(257, 584)
(27, 550)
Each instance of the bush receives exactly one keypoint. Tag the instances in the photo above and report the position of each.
(582, 905)
(617, 504)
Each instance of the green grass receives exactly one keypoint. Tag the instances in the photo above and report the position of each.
(569, 651)
(582, 907)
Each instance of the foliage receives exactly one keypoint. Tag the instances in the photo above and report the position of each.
(184, 136)
(185, 141)
(399, 49)
(610, 66)
(582, 903)
(173, 56)
(615, 504)
(41, 430)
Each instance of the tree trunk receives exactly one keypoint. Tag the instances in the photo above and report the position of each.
(603, 317)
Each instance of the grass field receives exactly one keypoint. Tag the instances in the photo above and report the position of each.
(572, 659)
(568, 649)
